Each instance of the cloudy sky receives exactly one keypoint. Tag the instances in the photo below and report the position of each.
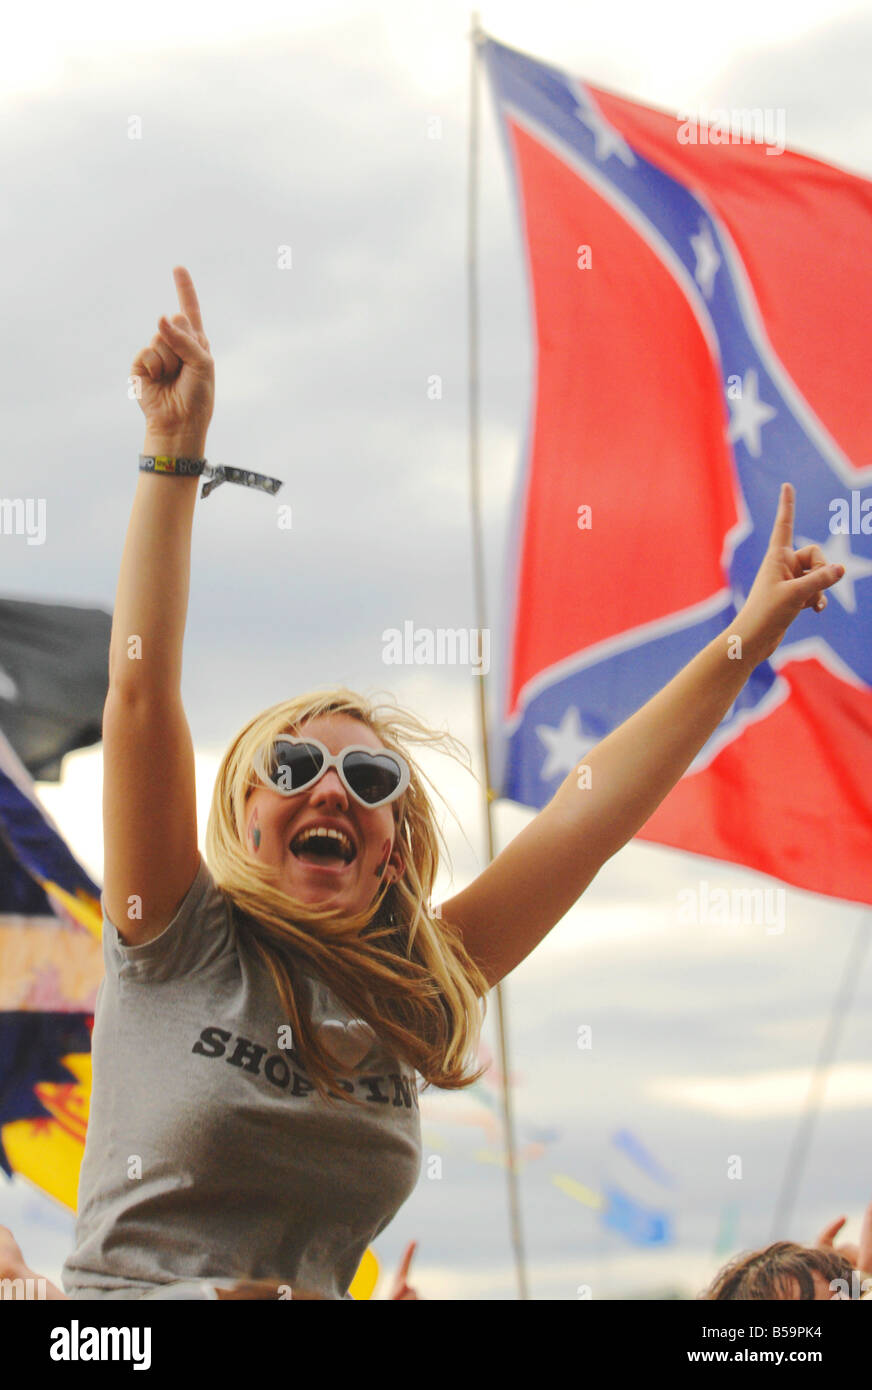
(309, 126)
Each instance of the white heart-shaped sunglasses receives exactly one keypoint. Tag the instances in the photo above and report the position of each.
(373, 777)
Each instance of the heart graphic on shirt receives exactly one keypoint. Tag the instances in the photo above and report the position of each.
(347, 1042)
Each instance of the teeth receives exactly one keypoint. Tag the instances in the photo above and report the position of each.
(322, 830)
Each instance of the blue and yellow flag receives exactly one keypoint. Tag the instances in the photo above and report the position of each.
(50, 967)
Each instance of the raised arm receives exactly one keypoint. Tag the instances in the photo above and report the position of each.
(149, 804)
(518, 898)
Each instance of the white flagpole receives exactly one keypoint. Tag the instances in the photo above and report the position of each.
(476, 37)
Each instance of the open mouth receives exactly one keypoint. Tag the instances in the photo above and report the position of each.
(320, 848)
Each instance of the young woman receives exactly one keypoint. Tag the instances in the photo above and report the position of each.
(264, 1017)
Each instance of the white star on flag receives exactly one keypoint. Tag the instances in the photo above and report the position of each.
(749, 413)
(838, 552)
(566, 744)
(707, 259)
(607, 140)
(739, 597)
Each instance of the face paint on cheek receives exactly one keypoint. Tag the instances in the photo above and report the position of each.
(254, 831)
(386, 854)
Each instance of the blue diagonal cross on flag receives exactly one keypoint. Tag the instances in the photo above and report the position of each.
(700, 305)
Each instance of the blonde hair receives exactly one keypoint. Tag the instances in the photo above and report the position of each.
(403, 971)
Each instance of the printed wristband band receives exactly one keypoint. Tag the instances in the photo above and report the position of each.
(192, 467)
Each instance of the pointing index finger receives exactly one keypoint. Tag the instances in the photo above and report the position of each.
(782, 531)
(829, 1233)
(407, 1260)
(188, 301)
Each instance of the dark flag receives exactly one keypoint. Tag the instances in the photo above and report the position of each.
(54, 677)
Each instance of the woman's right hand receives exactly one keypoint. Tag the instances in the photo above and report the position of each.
(177, 378)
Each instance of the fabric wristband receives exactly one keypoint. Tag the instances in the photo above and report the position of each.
(192, 467)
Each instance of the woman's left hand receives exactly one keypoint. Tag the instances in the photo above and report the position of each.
(787, 582)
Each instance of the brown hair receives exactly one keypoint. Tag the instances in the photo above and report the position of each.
(769, 1273)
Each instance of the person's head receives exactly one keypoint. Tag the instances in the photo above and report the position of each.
(782, 1270)
(348, 869)
(356, 904)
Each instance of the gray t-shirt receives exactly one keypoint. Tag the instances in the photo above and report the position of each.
(209, 1153)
